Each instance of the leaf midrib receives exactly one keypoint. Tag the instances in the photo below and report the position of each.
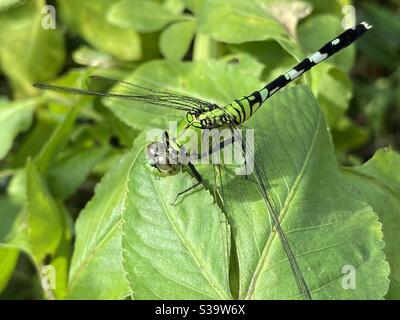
(282, 213)
(204, 272)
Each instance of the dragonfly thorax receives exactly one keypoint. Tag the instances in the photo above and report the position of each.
(208, 118)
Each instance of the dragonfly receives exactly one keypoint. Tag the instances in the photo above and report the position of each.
(163, 154)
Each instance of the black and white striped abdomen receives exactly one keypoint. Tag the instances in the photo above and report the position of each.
(342, 41)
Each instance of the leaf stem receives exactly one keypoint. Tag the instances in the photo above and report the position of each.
(204, 48)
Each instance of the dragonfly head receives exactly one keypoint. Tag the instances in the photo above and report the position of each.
(160, 158)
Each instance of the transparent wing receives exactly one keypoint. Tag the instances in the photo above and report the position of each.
(259, 178)
(116, 89)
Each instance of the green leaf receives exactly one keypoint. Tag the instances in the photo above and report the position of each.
(239, 21)
(386, 26)
(318, 30)
(86, 56)
(288, 13)
(96, 267)
(88, 18)
(33, 143)
(170, 47)
(57, 141)
(347, 135)
(62, 257)
(15, 117)
(143, 16)
(9, 209)
(270, 54)
(6, 4)
(71, 170)
(327, 225)
(333, 89)
(45, 224)
(29, 52)
(173, 251)
(8, 261)
(378, 181)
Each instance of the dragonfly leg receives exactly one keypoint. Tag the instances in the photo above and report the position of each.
(197, 176)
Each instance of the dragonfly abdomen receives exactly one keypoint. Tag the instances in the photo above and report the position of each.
(243, 109)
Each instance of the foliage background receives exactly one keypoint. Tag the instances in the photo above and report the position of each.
(54, 149)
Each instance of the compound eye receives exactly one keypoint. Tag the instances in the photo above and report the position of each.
(165, 167)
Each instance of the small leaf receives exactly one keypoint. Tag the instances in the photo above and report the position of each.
(143, 16)
(239, 21)
(347, 135)
(89, 57)
(334, 91)
(15, 117)
(45, 224)
(29, 52)
(8, 261)
(57, 141)
(289, 13)
(71, 170)
(88, 18)
(170, 47)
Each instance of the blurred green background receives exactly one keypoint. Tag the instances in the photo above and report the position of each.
(358, 90)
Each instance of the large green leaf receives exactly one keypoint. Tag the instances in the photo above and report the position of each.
(88, 18)
(378, 181)
(327, 225)
(96, 267)
(29, 52)
(173, 251)
(15, 117)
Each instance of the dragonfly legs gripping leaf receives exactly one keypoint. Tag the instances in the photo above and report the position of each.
(197, 176)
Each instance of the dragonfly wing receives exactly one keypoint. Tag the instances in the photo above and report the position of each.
(260, 180)
(126, 88)
(116, 89)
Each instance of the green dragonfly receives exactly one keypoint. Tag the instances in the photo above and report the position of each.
(165, 155)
